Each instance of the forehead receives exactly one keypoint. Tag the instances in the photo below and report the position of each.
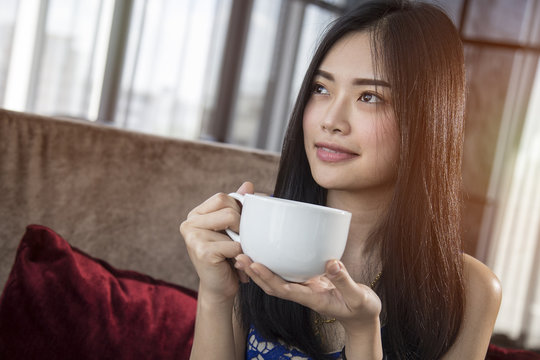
(350, 56)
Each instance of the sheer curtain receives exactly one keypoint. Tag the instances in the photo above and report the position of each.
(173, 56)
(514, 253)
(54, 55)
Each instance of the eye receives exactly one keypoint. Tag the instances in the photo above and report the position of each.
(320, 89)
(370, 98)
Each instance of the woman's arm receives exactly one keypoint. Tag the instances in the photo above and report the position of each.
(214, 336)
(240, 337)
(482, 301)
(217, 335)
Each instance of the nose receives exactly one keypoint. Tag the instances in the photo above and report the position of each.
(336, 117)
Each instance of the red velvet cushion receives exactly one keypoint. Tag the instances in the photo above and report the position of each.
(60, 303)
(498, 353)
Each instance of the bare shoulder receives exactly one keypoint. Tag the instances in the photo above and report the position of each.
(482, 287)
(482, 301)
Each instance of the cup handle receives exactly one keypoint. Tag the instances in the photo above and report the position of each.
(229, 232)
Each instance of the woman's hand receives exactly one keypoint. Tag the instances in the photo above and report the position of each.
(209, 249)
(334, 294)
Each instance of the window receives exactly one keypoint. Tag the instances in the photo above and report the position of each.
(256, 72)
(515, 249)
(7, 27)
(69, 73)
(157, 66)
(172, 63)
(272, 73)
(58, 55)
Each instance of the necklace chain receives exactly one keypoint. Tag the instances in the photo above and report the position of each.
(374, 282)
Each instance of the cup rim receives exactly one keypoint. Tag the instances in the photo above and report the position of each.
(296, 203)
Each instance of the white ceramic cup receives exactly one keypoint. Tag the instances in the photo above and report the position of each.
(291, 238)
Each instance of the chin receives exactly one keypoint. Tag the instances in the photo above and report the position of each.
(330, 183)
(353, 185)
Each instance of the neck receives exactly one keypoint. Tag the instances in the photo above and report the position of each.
(367, 208)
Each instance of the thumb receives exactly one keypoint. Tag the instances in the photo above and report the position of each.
(339, 276)
(246, 188)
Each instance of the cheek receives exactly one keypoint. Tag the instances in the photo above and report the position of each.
(309, 123)
(309, 119)
(390, 145)
(394, 139)
(384, 140)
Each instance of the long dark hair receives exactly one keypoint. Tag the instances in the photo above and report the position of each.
(417, 48)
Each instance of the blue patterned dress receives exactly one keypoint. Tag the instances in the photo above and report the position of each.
(258, 348)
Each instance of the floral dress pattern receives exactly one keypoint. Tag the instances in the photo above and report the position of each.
(258, 348)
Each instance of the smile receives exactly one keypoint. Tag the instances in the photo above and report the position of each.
(332, 153)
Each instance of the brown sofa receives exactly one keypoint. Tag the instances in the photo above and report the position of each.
(117, 195)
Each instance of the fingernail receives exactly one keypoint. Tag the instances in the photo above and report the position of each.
(334, 268)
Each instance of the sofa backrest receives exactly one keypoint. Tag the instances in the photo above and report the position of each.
(115, 194)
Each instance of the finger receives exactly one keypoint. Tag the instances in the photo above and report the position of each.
(218, 220)
(240, 265)
(216, 202)
(269, 282)
(243, 261)
(339, 276)
(243, 277)
(200, 248)
(246, 188)
(215, 252)
(274, 285)
(194, 236)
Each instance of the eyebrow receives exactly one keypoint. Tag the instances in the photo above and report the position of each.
(356, 81)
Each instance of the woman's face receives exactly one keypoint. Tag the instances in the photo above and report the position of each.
(350, 133)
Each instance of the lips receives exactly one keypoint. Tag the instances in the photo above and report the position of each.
(333, 153)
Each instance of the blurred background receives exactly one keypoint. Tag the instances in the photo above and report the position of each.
(229, 71)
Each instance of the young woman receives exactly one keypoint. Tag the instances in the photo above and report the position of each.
(377, 130)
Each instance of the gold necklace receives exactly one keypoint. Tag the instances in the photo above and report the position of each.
(374, 282)
(319, 322)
